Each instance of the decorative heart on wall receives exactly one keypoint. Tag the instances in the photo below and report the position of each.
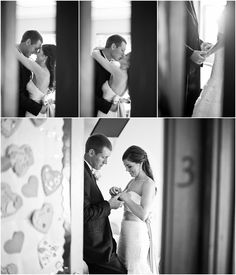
(48, 253)
(15, 244)
(30, 189)
(51, 179)
(21, 158)
(9, 269)
(42, 218)
(10, 201)
(38, 121)
(9, 126)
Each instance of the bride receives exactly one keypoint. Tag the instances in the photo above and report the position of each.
(43, 77)
(115, 88)
(209, 103)
(135, 248)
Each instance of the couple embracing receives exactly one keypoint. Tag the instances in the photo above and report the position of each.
(134, 254)
(36, 78)
(111, 78)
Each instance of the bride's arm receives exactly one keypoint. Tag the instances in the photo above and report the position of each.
(141, 211)
(109, 66)
(29, 64)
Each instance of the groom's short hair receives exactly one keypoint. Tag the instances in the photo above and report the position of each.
(97, 142)
(33, 35)
(116, 39)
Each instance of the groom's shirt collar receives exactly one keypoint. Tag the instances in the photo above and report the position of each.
(90, 167)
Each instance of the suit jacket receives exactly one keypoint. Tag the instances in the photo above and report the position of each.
(101, 76)
(192, 70)
(25, 103)
(193, 41)
(98, 241)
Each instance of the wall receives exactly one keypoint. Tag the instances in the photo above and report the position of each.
(40, 16)
(110, 18)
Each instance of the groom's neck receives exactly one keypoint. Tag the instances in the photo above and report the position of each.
(22, 49)
(107, 53)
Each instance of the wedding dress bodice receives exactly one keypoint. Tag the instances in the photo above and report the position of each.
(135, 197)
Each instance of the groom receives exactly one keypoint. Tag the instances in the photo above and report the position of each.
(99, 245)
(114, 50)
(30, 44)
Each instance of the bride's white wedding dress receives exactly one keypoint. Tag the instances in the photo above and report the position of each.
(135, 247)
(36, 95)
(209, 103)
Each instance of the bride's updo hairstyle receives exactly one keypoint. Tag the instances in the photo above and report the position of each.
(50, 51)
(138, 155)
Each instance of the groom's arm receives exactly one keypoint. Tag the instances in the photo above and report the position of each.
(29, 105)
(93, 211)
(25, 103)
(103, 105)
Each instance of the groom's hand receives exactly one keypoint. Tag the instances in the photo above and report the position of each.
(114, 203)
(114, 107)
(114, 191)
(43, 109)
(198, 57)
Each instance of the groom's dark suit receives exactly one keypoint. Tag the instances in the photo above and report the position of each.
(25, 103)
(192, 88)
(101, 76)
(99, 245)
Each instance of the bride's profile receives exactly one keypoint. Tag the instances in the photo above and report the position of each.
(42, 81)
(135, 247)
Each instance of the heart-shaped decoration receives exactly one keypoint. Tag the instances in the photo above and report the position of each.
(38, 121)
(21, 158)
(9, 126)
(48, 253)
(42, 218)
(9, 269)
(10, 202)
(51, 179)
(15, 244)
(30, 189)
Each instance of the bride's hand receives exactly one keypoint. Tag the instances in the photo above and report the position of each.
(114, 191)
(205, 46)
(124, 196)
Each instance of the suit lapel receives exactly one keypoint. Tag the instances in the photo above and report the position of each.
(191, 10)
(89, 171)
(93, 180)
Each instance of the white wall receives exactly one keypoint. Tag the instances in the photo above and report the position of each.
(110, 17)
(36, 15)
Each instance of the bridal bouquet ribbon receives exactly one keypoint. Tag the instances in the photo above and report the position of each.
(49, 102)
(120, 108)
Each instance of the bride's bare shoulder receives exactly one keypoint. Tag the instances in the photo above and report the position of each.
(149, 183)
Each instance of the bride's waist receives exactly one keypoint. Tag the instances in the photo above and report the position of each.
(129, 216)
